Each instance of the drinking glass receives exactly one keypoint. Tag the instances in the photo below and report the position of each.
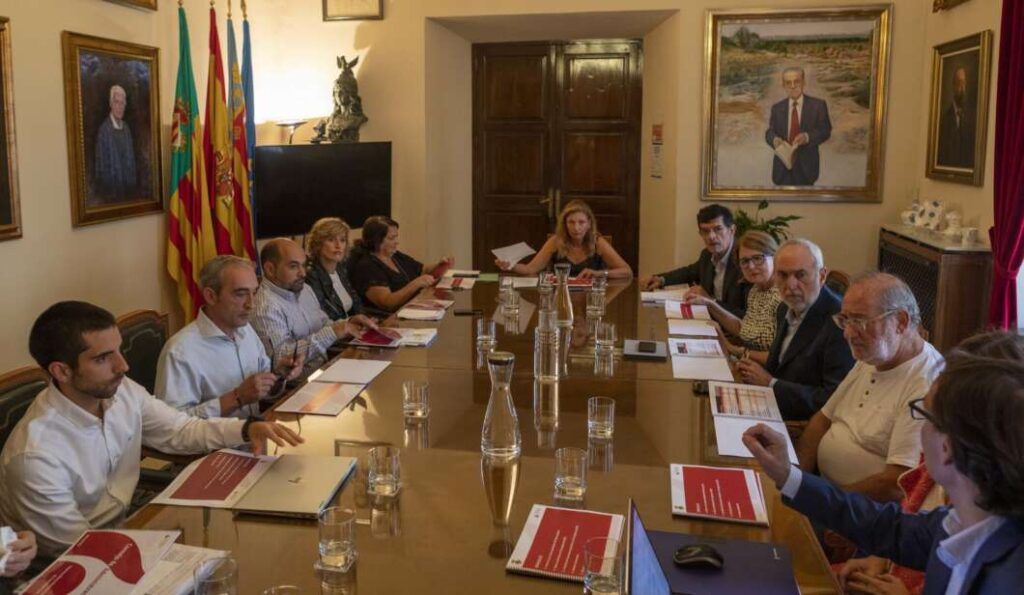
(338, 538)
(595, 304)
(216, 576)
(485, 331)
(415, 399)
(604, 336)
(602, 566)
(385, 472)
(570, 473)
(599, 280)
(511, 303)
(600, 418)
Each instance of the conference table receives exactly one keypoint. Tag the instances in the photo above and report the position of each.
(438, 534)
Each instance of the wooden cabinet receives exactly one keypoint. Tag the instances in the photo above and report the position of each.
(950, 281)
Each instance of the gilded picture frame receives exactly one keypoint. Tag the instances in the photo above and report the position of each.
(958, 116)
(353, 10)
(112, 111)
(757, 65)
(148, 4)
(10, 204)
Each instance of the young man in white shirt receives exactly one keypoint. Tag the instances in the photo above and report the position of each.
(864, 437)
(72, 462)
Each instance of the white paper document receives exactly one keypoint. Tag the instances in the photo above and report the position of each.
(692, 328)
(321, 398)
(673, 292)
(420, 314)
(416, 337)
(677, 310)
(524, 282)
(700, 368)
(785, 154)
(218, 480)
(695, 347)
(737, 407)
(352, 371)
(173, 574)
(513, 253)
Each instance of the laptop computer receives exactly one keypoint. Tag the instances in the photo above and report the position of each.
(297, 486)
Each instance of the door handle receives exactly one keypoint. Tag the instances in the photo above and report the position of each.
(549, 201)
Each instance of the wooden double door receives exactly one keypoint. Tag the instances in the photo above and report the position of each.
(553, 122)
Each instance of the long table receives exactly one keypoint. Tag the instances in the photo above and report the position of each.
(437, 536)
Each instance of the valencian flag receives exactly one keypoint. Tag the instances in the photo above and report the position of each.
(217, 147)
(250, 106)
(189, 228)
(242, 243)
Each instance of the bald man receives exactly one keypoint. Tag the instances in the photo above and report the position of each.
(287, 317)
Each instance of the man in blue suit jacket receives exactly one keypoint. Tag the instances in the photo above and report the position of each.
(811, 127)
(973, 447)
(810, 356)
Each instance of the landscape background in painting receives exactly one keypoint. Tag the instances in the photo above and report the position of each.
(837, 59)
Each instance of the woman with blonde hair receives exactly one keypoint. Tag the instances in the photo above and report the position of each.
(578, 243)
(327, 249)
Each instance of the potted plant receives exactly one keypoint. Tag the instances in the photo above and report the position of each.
(777, 227)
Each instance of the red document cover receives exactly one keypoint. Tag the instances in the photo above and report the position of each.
(729, 494)
(551, 543)
(216, 477)
(378, 338)
(440, 270)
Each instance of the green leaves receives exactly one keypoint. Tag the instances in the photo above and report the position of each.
(777, 227)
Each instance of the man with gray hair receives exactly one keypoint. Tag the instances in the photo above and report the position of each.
(216, 366)
(114, 172)
(864, 437)
(809, 356)
(798, 123)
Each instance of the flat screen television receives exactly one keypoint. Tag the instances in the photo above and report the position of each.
(297, 184)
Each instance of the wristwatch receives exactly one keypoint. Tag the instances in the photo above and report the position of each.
(245, 427)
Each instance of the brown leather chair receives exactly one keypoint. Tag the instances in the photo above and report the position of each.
(18, 389)
(838, 282)
(143, 334)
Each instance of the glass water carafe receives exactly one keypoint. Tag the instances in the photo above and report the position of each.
(563, 302)
(500, 437)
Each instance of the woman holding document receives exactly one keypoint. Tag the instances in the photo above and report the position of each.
(756, 329)
(385, 277)
(578, 243)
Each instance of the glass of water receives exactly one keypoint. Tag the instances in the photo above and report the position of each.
(600, 418)
(595, 304)
(216, 576)
(415, 399)
(570, 473)
(485, 332)
(337, 538)
(602, 566)
(604, 337)
(385, 471)
(511, 303)
(599, 280)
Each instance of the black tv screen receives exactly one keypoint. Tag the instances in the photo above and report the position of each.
(297, 184)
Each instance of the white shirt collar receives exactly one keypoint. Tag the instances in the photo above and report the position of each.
(208, 329)
(963, 544)
(71, 411)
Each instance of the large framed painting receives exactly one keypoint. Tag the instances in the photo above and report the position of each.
(353, 10)
(10, 214)
(150, 4)
(958, 122)
(794, 104)
(112, 107)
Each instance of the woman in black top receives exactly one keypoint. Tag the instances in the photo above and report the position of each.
(577, 242)
(326, 274)
(384, 277)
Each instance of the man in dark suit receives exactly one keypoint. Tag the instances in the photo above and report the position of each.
(716, 272)
(810, 356)
(803, 122)
(956, 128)
(973, 447)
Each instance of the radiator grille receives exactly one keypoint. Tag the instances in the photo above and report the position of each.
(921, 275)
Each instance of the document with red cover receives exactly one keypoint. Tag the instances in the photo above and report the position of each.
(218, 480)
(675, 309)
(104, 563)
(440, 269)
(456, 283)
(382, 337)
(574, 283)
(321, 398)
(728, 494)
(551, 543)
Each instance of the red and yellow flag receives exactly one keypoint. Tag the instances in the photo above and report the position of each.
(189, 226)
(217, 147)
(241, 228)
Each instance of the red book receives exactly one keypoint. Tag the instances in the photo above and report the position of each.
(551, 543)
(722, 493)
(378, 338)
(441, 269)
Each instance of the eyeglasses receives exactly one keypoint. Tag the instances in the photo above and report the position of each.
(918, 412)
(858, 324)
(755, 260)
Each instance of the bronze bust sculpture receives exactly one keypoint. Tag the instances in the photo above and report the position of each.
(343, 124)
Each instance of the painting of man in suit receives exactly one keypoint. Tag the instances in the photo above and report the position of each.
(799, 122)
(115, 152)
(956, 127)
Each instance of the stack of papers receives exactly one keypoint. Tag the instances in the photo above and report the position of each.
(218, 480)
(382, 337)
(696, 347)
(674, 292)
(718, 493)
(692, 328)
(737, 407)
(425, 309)
(321, 398)
(524, 282)
(513, 253)
(449, 282)
(677, 310)
(173, 574)
(462, 273)
(698, 359)
(351, 371)
(416, 337)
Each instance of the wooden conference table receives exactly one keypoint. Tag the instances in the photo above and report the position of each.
(438, 535)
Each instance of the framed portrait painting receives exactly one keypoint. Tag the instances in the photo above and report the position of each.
(958, 118)
(112, 105)
(794, 104)
(10, 214)
(351, 10)
(150, 4)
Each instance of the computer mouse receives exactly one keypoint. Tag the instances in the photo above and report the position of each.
(698, 555)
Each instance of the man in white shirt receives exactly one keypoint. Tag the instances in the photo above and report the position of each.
(288, 317)
(216, 365)
(72, 462)
(973, 447)
(864, 437)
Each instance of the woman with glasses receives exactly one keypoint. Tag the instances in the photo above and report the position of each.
(756, 330)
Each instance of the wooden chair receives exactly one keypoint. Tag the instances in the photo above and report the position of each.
(143, 334)
(18, 389)
(838, 282)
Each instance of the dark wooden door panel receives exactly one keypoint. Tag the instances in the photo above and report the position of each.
(592, 164)
(516, 162)
(597, 87)
(516, 87)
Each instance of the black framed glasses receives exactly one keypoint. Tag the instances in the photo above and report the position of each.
(917, 411)
(756, 260)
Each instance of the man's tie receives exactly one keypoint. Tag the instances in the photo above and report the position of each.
(794, 124)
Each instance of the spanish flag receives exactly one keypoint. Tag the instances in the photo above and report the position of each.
(241, 229)
(217, 148)
(189, 227)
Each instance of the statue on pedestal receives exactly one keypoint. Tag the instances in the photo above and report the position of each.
(343, 124)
